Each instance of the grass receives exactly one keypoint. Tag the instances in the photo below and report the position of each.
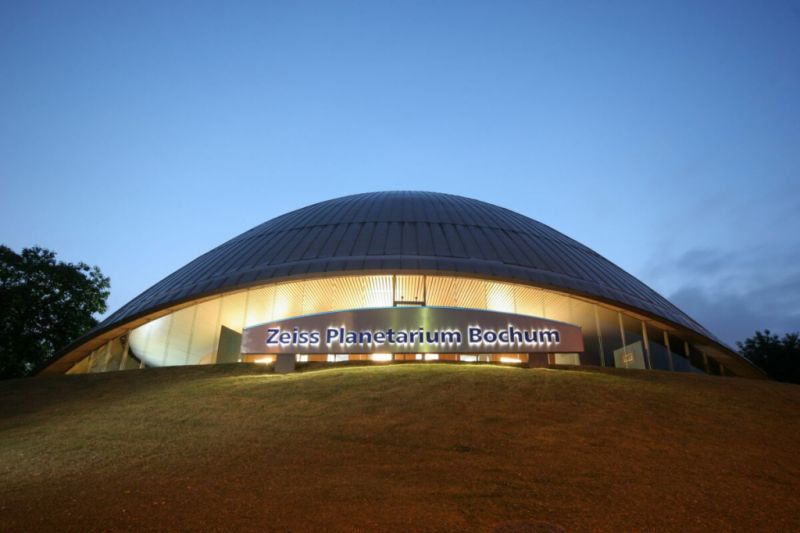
(403, 447)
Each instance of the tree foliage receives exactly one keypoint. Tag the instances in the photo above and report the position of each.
(44, 304)
(778, 357)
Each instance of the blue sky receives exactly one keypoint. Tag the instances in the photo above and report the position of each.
(138, 135)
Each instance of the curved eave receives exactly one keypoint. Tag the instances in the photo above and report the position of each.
(113, 326)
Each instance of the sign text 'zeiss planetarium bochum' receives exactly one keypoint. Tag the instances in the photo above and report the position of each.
(413, 330)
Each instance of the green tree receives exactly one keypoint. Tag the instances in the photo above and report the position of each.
(44, 304)
(778, 357)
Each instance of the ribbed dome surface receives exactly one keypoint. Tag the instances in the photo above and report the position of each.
(403, 231)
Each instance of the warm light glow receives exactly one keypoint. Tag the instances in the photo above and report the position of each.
(500, 297)
(381, 357)
(191, 335)
(266, 360)
(282, 302)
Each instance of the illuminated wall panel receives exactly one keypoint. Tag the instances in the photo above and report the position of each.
(191, 335)
(409, 288)
(203, 344)
(149, 341)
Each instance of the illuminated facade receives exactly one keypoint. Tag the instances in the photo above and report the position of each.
(370, 252)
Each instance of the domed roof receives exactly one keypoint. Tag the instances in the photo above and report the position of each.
(420, 232)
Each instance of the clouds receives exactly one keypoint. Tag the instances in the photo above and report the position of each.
(729, 255)
(736, 316)
(734, 293)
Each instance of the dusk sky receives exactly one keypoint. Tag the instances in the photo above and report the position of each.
(665, 136)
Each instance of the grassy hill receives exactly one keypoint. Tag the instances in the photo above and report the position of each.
(402, 447)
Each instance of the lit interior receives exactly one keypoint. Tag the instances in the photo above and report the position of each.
(197, 333)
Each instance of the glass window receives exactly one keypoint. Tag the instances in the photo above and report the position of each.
(610, 333)
(538, 360)
(714, 368)
(500, 297)
(529, 301)
(130, 361)
(567, 359)
(583, 316)
(259, 306)
(659, 355)
(557, 307)
(634, 353)
(192, 335)
(510, 358)
(116, 355)
(95, 360)
(677, 350)
(148, 341)
(203, 344)
(81, 367)
(697, 359)
(176, 347)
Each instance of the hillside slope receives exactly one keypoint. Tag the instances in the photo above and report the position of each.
(401, 447)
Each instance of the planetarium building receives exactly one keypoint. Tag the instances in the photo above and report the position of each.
(396, 277)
